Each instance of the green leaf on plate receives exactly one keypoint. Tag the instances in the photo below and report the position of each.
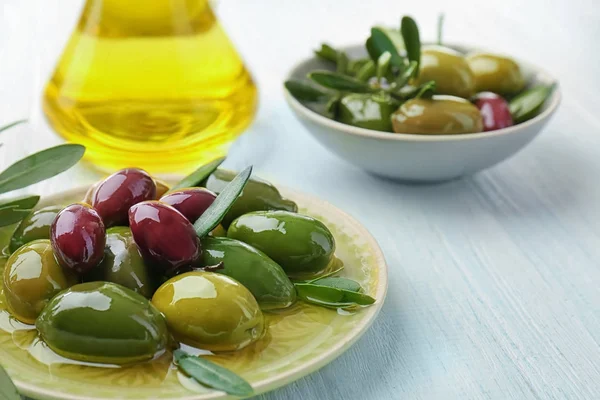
(425, 91)
(379, 43)
(23, 202)
(339, 283)
(355, 65)
(5, 127)
(12, 214)
(366, 71)
(217, 210)
(342, 63)
(407, 74)
(40, 166)
(529, 103)
(332, 107)
(199, 175)
(304, 92)
(8, 390)
(331, 296)
(326, 52)
(212, 375)
(412, 41)
(383, 65)
(333, 80)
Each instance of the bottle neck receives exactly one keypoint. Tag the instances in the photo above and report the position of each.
(119, 18)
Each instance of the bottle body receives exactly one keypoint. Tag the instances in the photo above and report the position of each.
(151, 84)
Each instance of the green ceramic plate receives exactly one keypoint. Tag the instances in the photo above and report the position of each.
(300, 341)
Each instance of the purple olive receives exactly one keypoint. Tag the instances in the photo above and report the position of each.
(78, 236)
(494, 111)
(116, 194)
(166, 239)
(190, 202)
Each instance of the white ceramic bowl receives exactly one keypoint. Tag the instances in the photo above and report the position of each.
(413, 157)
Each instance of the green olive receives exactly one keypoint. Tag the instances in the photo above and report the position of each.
(35, 226)
(439, 115)
(263, 277)
(123, 263)
(302, 245)
(103, 322)
(31, 278)
(210, 311)
(495, 73)
(258, 195)
(369, 111)
(449, 69)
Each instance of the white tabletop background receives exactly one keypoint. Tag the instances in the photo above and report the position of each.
(494, 289)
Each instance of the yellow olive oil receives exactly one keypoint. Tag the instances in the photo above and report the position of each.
(155, 84)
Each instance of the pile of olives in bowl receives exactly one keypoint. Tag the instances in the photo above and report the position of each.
(137, 268)
(406, 87)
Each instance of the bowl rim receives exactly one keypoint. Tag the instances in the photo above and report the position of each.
(309, 114)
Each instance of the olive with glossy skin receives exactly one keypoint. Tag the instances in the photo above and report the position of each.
(210, 311)
(495, 73)
(31, 278)
(191, 202)
(494, 111)
(78, 238)
(301, 244)
(166, 239)
(258, 195)
(263, 277)
(123, 263)
(103, 322)
(449, 69)
(116, 194)
(369, 111)
(437, 116)
(35, 226)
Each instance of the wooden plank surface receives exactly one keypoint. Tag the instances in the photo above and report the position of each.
(494, 279)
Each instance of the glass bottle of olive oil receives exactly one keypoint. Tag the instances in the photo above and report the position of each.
(155, 84)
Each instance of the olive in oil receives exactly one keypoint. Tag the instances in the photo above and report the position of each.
(155, 84)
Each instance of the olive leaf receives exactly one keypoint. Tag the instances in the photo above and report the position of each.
(332, 297)
(11, 215)
(355, 65)
(379, 43)
(8, 390)
(199, 175)
(529, 103)
(212, 375)
(224, 201)
(5, 127)
(342, 63)
(40, 166)
(332, 108)
(425, 91)
(366, 71)
(412, 41)
(333, 80)
(440, 26)
(304, 92)
(407, 74)
(383, 65)
(326, 52)
(339, 283)
(23, 202)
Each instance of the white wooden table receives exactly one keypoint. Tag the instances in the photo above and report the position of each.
(494, 279)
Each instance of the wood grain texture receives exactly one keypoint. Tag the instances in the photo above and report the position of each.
(494, 279)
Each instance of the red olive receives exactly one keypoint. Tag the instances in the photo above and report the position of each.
(78, 237)
(190, 202)
(494, 110)
(116, 194)
(166, 239)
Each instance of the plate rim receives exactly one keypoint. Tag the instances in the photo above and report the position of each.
(277, 380)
